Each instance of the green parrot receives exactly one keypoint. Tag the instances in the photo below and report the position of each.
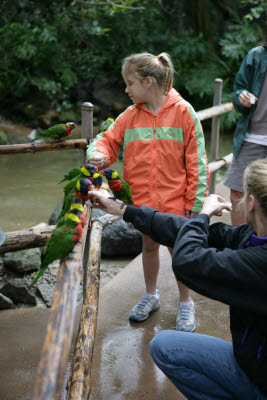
(57, 132)
(87, 172)
(61, 242)
(105, 125)
(118, 186)
(80, 190)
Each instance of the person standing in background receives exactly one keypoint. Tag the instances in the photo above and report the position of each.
(250, 137)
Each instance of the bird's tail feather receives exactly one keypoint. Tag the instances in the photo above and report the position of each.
(38, 274)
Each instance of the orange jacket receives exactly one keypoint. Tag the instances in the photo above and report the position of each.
(165, 162)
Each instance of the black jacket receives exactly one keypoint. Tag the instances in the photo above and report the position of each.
(213, 261)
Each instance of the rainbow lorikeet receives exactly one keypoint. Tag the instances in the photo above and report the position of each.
(97, 180)
(85, 171)
(57, 132)
(80, 190)
(118, 186)
(77, 207)
(61, 242)
(105, 125)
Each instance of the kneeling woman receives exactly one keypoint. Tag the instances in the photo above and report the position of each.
(226, 263)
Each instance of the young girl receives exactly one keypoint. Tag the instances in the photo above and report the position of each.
(164, 162)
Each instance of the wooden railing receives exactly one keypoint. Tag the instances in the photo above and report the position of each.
(83, 264)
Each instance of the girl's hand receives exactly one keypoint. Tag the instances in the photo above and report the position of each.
(101, 199)
(214, 205)
(247, 99)
(98, 159)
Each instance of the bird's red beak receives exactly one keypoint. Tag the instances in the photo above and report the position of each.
(75, 126)
(103, 173)
(96, 169)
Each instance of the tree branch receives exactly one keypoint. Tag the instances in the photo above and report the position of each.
(105, 3)
(224, 8)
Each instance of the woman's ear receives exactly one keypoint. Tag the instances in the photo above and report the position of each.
(251, 203)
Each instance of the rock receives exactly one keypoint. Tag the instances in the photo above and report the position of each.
(5, 302)
(18, 292)
(23, 260)
(119, 239)
(46, 292)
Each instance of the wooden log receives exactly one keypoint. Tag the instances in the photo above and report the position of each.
(215, 165)
(26, 239)
(215, 111)
(56, 349)
(108, 219)
(49, 146)
(80, 381)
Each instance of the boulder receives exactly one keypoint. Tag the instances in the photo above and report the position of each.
(18, 291)
(23, 260)
(5, 302)
(119, 239)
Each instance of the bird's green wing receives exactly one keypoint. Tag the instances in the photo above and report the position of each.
(71, 174)
(126, 193)
(55, 132)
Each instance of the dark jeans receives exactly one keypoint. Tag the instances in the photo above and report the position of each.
(202, 366)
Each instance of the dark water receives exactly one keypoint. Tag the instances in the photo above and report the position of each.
(29, 192)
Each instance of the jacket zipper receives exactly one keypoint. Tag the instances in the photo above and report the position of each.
(154, 163)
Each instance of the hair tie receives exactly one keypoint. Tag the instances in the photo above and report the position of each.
(158, 57)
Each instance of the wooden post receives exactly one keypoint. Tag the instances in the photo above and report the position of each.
(87, 125)
(56, 348)
(79, 387)
(215, 132)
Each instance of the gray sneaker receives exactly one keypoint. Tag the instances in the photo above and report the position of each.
(146, 305)
(185, 320)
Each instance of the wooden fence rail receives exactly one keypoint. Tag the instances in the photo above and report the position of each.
(56, 348)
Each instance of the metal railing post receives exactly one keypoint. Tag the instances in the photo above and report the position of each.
(215, 132)
(87, 125)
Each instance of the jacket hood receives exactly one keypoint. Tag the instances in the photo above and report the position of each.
(172, 97)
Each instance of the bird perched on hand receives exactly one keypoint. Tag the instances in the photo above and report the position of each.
(118, 186)
(57, 132)
(85, 171)
(97, 180)
(80, 190)
(61, 242)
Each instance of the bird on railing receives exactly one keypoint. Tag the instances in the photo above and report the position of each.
(85, 171)
(80, 190)
(61, 242)
(77, 207)
(118, 186)
(56, 132)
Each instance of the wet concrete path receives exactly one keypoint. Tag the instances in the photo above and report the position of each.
(122, 367)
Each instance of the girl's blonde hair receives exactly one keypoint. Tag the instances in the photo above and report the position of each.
(255, 183)
(142, 65)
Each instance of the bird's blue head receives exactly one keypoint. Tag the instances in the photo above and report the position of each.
(107, 172)
(89, 169)
(83, 185)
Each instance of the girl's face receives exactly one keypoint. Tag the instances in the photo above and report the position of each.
(136, 89)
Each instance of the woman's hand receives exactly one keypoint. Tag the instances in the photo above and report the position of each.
(101, 199)
(214, 205)
(246, 98)
(98, 159)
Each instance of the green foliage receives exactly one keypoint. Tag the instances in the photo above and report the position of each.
(48, 47)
